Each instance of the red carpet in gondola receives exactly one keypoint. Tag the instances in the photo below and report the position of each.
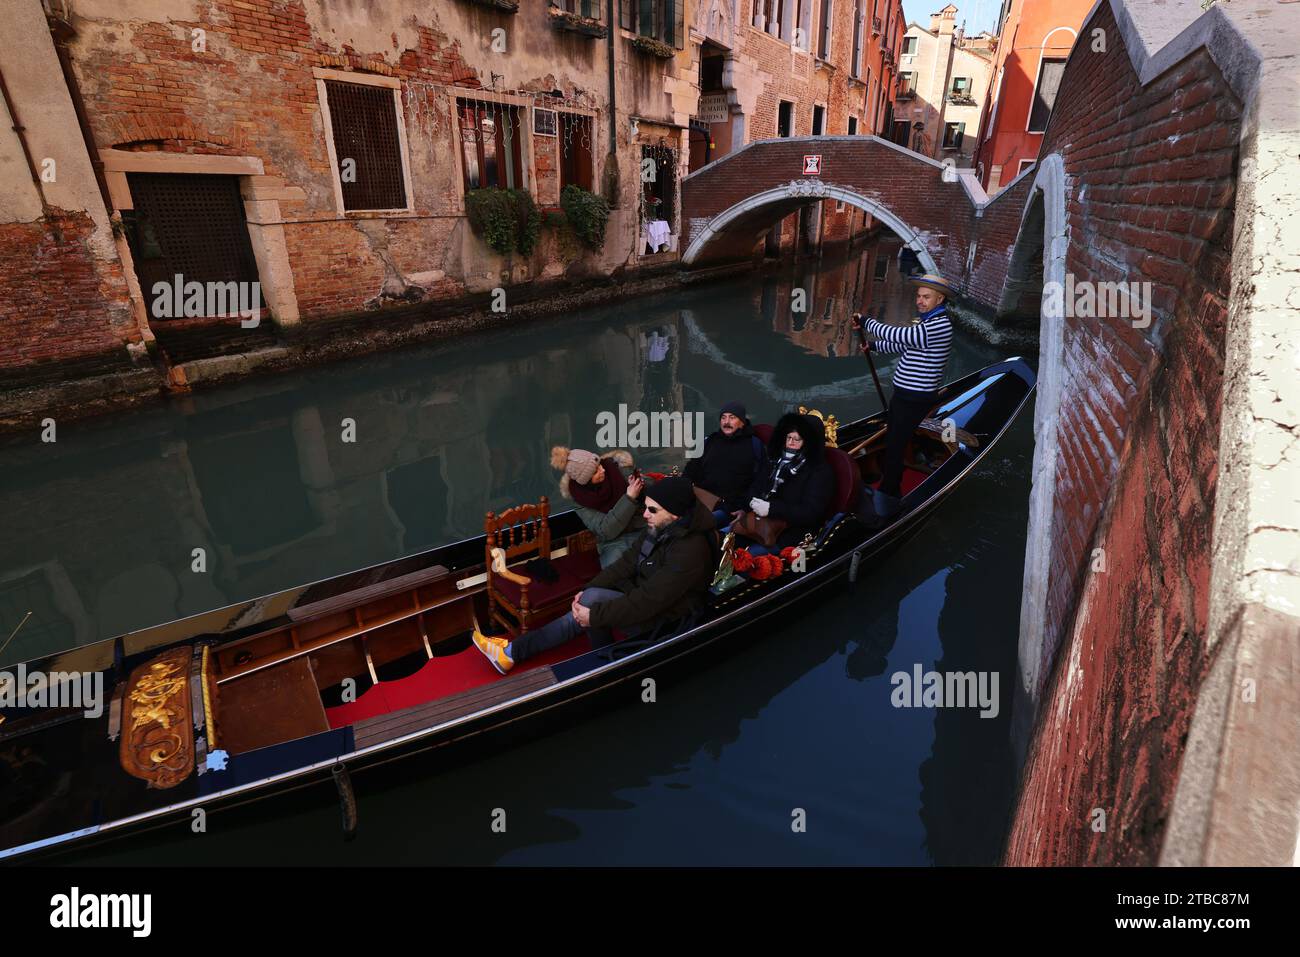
(439, 678)
(911, 479)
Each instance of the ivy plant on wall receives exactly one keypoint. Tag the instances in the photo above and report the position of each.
(506, 219)
(587, 213)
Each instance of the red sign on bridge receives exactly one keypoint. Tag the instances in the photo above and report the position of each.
(812, 164)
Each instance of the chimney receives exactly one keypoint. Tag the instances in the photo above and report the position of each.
(948, 20)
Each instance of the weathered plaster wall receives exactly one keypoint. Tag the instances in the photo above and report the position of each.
(62, 292)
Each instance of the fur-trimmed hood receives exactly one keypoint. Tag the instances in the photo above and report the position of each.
(808, 426)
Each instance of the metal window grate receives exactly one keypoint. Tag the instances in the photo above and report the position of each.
(364, 120)
(192, 224)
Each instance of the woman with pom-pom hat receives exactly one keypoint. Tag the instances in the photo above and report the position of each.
(607, 501)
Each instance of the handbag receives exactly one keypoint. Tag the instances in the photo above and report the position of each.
(763, 530)
(707, 498)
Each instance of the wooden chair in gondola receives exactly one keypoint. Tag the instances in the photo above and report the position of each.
(520, 602)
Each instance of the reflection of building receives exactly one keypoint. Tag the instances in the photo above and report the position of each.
(1034, 40)
(942, 82)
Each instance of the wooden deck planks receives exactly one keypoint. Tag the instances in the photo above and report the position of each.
(388, 726)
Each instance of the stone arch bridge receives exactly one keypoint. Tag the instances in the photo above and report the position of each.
(937, 209)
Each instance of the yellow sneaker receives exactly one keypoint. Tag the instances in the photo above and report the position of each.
(494, 650)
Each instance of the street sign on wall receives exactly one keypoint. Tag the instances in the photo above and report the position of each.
(713, 108)
(812, 164)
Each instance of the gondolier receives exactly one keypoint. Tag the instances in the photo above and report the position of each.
(925, 344)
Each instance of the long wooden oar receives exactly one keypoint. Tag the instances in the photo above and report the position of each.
(862, 340)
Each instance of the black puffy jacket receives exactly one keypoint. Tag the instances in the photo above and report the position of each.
(729, 465)
(804, 497)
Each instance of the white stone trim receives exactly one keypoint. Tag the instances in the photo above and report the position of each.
(911, 237)
(1049, 188)
(261, 214)
(365, 79)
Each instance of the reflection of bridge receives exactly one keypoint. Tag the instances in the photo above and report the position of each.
(698, 340)
(938, 211)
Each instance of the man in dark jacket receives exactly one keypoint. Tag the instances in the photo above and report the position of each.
(733, 458)
(664, 577)
(798, 486)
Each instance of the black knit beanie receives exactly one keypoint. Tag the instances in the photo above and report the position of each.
(735, 408)
(675, 493)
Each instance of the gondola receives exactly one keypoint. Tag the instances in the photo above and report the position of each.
(315, 683)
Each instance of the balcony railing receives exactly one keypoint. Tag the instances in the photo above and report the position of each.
(577, 16)
(887, 57)
(875, 26)
(961, 99)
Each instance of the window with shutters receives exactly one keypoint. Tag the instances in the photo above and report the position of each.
(855, 66)
(490, 144)
(575, 151)
(1049, 81)
(952, 135)
(591, 9)
(365, 124)
(824, 34)
(662, 20)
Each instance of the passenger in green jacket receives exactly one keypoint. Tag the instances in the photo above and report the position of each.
(606, 500)
(663, 580)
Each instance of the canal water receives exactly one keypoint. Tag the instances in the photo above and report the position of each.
(789, 752)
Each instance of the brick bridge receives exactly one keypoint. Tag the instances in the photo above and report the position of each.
(937, 211)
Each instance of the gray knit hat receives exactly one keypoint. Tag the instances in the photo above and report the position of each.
(581, 465)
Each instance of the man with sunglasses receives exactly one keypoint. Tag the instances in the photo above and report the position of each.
(664, 577)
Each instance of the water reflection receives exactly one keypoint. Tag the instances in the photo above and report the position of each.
(101, 530)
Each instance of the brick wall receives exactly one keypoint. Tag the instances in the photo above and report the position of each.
(252, 92)
(58, 302)
(1150, 188)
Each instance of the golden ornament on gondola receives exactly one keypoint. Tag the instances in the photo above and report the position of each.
(829, 423)
(157, 743)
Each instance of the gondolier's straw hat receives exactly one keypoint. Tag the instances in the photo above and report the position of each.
(933, 281)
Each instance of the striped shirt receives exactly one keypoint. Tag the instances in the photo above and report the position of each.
(924, 343)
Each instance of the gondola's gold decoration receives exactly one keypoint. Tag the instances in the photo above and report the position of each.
(723, 579)
(157, 742)
(808, 546)
(829, 422)
(205, 675)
